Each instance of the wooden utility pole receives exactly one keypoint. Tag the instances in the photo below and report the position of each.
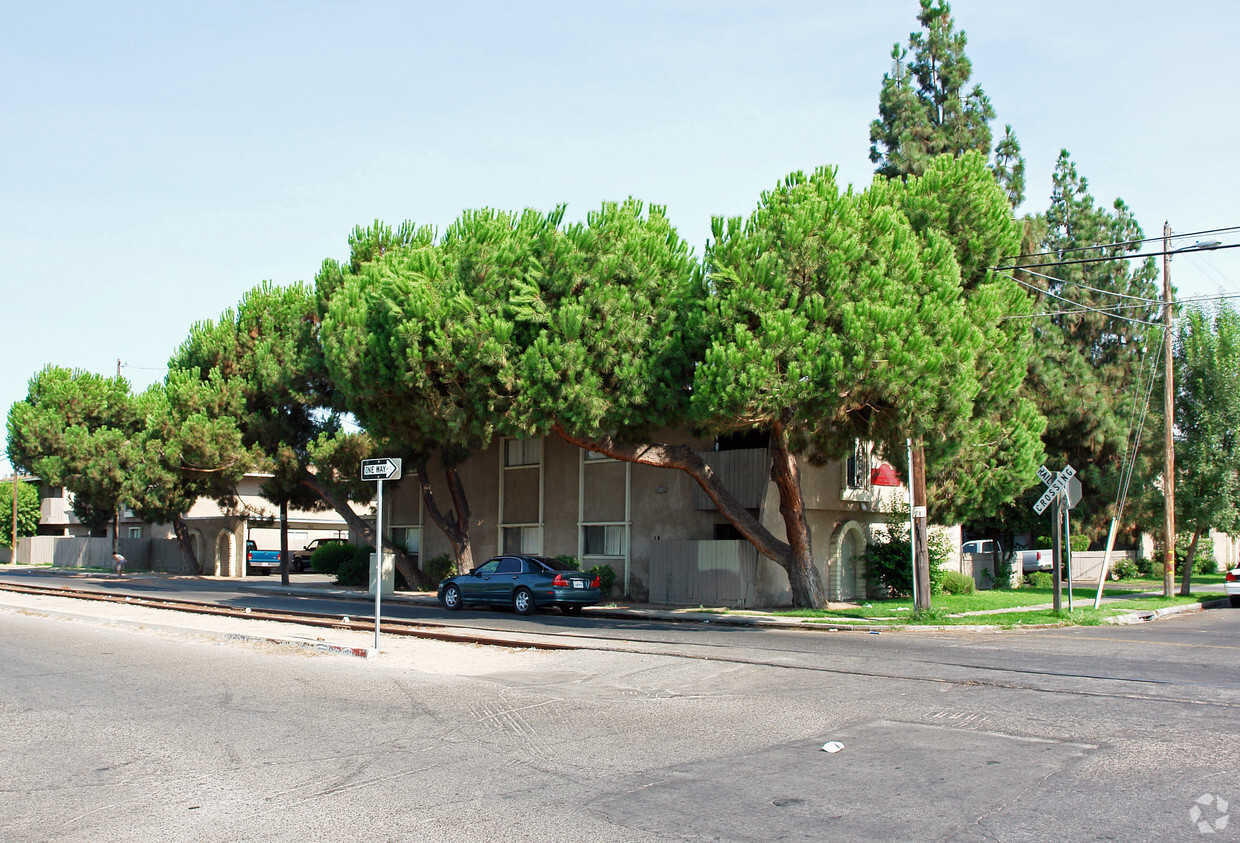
(1169, 426)
(917, 470)
(13, 546)
(116, 508)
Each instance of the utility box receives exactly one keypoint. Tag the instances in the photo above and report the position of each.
(388, 575)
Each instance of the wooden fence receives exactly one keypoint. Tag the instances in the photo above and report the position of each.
(74, 552)
(703, 573)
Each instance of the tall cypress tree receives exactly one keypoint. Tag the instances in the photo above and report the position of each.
(926, 108)
(1095, 342)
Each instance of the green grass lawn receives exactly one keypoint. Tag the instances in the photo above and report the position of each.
(1156, 583)
(949, 609)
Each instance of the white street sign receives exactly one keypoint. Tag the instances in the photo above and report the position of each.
(387, 468)
(1054, 487)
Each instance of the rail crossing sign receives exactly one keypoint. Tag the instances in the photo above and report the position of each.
(387, 468)
(1056, 484)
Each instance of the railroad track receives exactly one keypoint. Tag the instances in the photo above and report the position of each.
(436, 632)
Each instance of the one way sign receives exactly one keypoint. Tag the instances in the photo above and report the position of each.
(387, 468)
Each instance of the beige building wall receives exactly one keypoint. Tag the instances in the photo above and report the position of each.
(553, 499)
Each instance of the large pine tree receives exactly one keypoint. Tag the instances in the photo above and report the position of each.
(1095, 343)
(926, 108)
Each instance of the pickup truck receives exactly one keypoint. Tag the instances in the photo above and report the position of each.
(260, 561)
(1030, 560)
(301, 558)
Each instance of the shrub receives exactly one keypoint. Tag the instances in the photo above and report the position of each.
(326, 558)
(1003, 571)
(606, 578)
(440, 568)
(1041, 579)
(569, 560)
(1125, 569)
(1203, 560)
(1145, 567)
(887, 557)
(955, 582)
(356, 569)
(1079, 543)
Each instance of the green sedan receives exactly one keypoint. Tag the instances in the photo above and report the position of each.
(524, 583)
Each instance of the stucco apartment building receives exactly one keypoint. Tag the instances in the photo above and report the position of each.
(655, 527)
(219, 535)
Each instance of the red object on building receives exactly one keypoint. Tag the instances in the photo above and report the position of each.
(884, 475)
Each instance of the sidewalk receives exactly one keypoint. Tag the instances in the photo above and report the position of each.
(314, 585)
(756, 617)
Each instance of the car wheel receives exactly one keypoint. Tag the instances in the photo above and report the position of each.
(1235, 600)
(571, 610)
(523, 602)
(452, 597)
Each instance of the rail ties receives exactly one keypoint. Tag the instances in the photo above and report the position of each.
(427, 631)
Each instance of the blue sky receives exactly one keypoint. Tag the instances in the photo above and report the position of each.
(159, 159)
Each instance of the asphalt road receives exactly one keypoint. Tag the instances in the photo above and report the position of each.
(658, 731)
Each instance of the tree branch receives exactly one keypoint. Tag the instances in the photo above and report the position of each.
(685, 459)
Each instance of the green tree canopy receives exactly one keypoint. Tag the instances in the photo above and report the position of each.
(1207, 418)
(27, 510)
(404, 346)
(75, 429)
(265, 356)
(926, 108)
(1104, 324)
(155, 453)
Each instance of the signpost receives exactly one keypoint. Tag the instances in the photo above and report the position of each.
(387, 468)
(1061, 487)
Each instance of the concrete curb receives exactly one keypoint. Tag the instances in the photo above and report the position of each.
(723, 619)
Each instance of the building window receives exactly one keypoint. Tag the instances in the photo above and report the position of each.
(521, 496)
(409, 539)
(135, 532)
(603, 540)
(523, 539)
(857, 468)
(522, 452)
(595, 456)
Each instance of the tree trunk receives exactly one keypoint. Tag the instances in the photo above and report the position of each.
(455, 523)
(1186, 584)
(284, 542)
(181, 529)
(803, 577)
(685, 459)
(411, 572)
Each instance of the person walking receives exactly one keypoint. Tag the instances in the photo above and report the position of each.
(118, 562)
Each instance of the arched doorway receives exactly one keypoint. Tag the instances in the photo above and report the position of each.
(195, 545)
(224, 544)
(846, 572)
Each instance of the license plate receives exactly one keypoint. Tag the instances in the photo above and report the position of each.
(578, 584)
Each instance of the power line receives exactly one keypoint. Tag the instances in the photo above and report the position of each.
(1120, 244)
(1136, 256)
(1080, 305)
(1094, 289)
(1109, 310)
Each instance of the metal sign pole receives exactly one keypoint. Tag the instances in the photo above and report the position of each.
(1067, 548)
(386, 468)
(379, 559)
(912, 526)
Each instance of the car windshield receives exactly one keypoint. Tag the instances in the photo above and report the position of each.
(553, 564)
